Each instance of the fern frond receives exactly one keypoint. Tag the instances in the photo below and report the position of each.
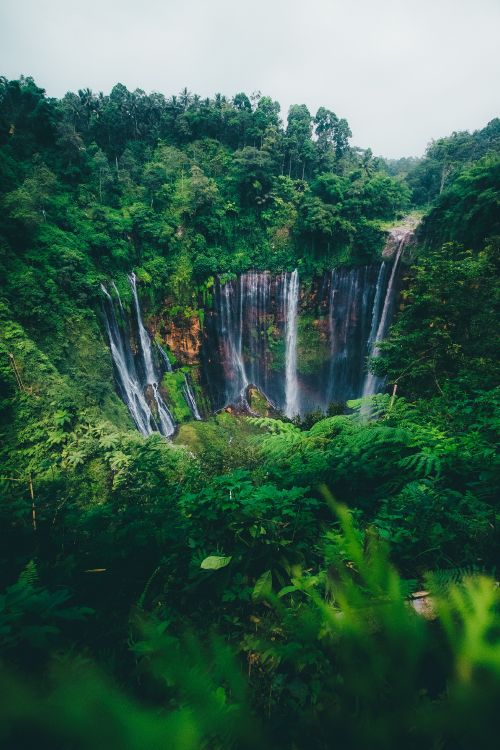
(29, 575)
(274, 426)
(440, 580)
(424, 464)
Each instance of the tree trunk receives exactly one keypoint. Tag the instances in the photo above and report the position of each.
(33, 509)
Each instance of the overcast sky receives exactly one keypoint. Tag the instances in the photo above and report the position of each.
(401, 71)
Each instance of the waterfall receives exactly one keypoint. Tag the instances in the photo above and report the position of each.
(143, 334)
(166, 422)
(250, 336)
(118, 297)
(231, 317)
(134, 389)
(350, 301)
(128, 381)
(343, 317)
(291, 301)
(239, 341)
(376, 305)
(254, 294)
(188, 394)
(381, 324)
(164, 356)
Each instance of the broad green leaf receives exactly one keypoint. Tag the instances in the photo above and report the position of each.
(286, 590)
(214, 562)
(263, 586)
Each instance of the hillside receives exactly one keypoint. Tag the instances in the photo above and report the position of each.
(249, 407)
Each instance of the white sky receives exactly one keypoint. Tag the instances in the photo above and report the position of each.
(401, 71)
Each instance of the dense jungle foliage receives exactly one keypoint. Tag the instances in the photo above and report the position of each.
(248, 584)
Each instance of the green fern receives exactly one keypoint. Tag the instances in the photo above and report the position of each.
(439, 581)
(424, 464)
(274, 426)
(29, 575)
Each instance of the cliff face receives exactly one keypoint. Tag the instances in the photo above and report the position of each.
(181, 334)
(403, 234)
(304, 345)
(247, 337)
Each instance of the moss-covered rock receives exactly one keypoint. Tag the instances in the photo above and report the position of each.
(259, 404)
(173, 385)
(312, 346)
(277, 348)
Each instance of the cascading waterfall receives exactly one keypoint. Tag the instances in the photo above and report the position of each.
(255, 291)
(249, 316)
(251, 336)
(342, 319)
(353, 310)
(165, 419)
(164, 356)
(117, 296)
(167, 424)
(373, 383)
(291, 302)
(143, 335)
(376, 305)
(230, 308)
(190, 399)
(128, 381)
(134, 388)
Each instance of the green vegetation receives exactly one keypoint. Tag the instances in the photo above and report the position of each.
(312, 349)
(173, 383)
(247, 584)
